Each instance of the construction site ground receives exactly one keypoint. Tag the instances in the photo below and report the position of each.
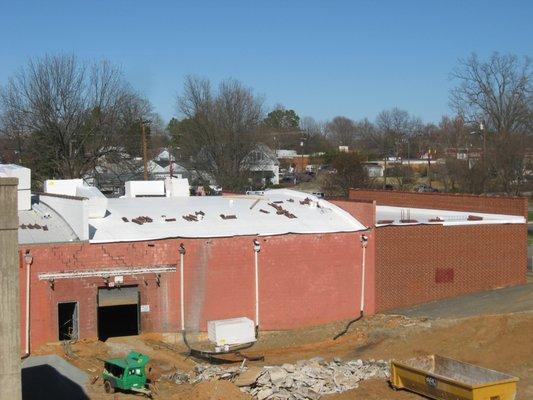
(495, 332)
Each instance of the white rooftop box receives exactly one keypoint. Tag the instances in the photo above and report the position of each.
(16, 171)
(62, 186)
(97, 203)
(177, 187)
(232, 331)
(145, 188)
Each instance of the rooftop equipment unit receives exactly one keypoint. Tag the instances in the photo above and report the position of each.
(62, 186)
(145, 188)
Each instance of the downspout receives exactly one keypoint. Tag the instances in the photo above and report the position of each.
(182, 296)
(364, 244)
(28, 259)
(257, 249)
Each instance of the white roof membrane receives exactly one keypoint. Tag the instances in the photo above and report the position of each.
(166, 213)
(388, 215)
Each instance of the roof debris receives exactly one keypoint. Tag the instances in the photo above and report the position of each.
(142, 219)
(281, 211)
(228, 216)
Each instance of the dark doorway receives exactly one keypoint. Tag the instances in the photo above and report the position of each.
(118, 312)
(67, 319)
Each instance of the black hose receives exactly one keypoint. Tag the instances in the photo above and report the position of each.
(348, 326)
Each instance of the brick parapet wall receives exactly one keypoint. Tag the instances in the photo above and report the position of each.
(445, 201)
(422, 263)
(363, 211)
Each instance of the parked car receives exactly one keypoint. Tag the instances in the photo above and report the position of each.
(426, 189)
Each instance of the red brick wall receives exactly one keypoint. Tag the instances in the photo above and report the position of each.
(445, 201)
(421, 263)
(304, 280)
(363, 211)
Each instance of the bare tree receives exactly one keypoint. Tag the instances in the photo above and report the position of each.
(497, 94)
(349, 172)
(393, 129)
(342, 131)
(64, 114)
(220, 128)
(315, 135)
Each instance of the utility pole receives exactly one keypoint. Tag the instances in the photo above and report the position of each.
(483, 133)
(170, 166)
(145, 156)
(429, 167)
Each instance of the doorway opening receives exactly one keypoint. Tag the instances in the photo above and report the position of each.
(67, 320)
(118, 312)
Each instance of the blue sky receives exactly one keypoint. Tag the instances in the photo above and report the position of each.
(322, 58)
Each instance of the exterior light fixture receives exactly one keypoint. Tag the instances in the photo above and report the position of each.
(181, 249)
(364, 240)
(257, 246)
(106, 280)
(28, 258)
(158, 279)
(51, 283)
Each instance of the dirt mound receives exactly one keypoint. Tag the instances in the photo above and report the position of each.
(217, 390)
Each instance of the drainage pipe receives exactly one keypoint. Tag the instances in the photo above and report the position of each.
(364, 243)
(257, 249)
(182, 296)
(28, 259)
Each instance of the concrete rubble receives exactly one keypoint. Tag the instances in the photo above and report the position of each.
(307, 379)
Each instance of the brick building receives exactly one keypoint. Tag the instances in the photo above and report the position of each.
(101, 267)
(430, 259)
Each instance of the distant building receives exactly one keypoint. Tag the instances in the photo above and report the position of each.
(286, 153)
(264, 165)
(375, 170)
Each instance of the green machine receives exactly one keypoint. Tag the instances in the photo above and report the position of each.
(126, 374)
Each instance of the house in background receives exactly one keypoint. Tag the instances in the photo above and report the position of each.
(263, 163)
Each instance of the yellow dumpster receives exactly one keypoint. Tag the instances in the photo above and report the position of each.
(447, 379)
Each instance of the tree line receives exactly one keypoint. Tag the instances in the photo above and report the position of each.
(64, 117)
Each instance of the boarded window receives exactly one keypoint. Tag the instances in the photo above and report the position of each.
(444, 275)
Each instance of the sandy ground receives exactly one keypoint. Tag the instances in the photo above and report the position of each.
(501, 342)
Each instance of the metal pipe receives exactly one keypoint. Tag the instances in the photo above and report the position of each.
(28, 268)
(364, 243)
(363, 281)
(182, 296)
(256, 289)
(182, 285)
(257, 249)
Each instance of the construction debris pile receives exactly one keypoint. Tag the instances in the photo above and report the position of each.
(308, 379)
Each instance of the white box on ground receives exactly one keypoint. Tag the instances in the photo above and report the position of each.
(24, 199)
(231, 331)
(62, 186)
(16, 171)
